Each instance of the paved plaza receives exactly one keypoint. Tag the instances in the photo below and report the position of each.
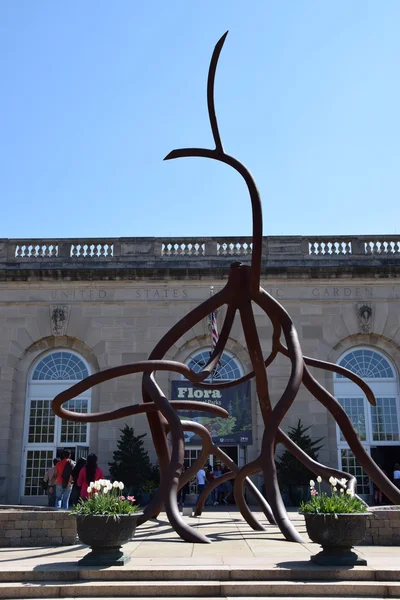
(239, 562)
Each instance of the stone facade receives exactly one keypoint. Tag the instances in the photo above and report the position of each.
(110, 301)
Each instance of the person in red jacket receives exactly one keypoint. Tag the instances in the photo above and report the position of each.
(89, 474)
(63, 471)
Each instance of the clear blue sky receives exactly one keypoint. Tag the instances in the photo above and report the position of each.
(95, 93)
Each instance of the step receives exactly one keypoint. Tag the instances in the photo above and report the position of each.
(185, 589)
(227, 598)
(306, 572)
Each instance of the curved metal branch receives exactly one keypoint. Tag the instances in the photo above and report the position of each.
(210, 92)
(170, 479)
(242, 288)
(146, 366)
(256, 255)
(208, 447)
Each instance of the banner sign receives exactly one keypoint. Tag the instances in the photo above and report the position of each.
(236, 429)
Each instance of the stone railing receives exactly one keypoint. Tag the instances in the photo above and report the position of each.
(275, 248)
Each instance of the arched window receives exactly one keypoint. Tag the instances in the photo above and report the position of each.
(378, 427)
(227, 369)
(45, 435)
(60, 366)
(366, 363)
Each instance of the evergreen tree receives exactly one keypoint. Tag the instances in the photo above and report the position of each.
(291, 472)
(131, 463)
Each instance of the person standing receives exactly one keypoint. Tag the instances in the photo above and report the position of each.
(210, 478)
(183, 491)
(201, 481)
(89, 474)
(396, 475)
(64, 480)
(49, 481)
(76, 490)
(219, 489)
(226, 486)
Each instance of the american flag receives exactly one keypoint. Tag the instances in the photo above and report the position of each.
(214, 329)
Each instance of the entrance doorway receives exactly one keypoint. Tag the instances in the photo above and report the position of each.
(45, 435)
(232, 452)
(386, 457)
(377, 427)
(235, 453)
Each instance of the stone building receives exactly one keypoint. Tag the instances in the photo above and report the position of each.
(69, 308)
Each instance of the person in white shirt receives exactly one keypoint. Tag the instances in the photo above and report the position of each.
(49, 481)
(201, 480)
(396, 475)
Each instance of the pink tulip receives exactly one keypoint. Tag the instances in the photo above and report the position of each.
(314, 492)
(122, 497)
(131, 498)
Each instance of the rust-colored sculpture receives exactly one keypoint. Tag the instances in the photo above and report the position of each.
(242, 288)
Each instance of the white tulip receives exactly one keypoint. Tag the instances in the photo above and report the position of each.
(341, 490)
(121, 485)
(333, 481)
(335, 489)
(319, 479)
(115, 484)
(343, 481)
(89, 490)
(96, 494)
(312, 483)
(105, 490)
(97, 486)
(91, 484)
(349, 492)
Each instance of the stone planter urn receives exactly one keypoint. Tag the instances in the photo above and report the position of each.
(337, 534)
(105, 535)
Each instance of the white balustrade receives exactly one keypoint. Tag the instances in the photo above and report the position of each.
(329, 247)
(36, 250)
(92, 250)
(182, 248)
(234, 248)
(382, 246)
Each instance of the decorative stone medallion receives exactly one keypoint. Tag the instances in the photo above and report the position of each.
(59, 319)
(364, 314)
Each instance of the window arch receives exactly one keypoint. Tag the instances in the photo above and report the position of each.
(377, 427)
(44, 433)
(367, 363)
(60, 366)
(227, 369)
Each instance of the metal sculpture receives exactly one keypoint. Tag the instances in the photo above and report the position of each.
(242, 289)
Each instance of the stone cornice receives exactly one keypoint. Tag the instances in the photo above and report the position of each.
(287, 257)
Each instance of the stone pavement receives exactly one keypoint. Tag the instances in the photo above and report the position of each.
(237, 558)
(233, 543)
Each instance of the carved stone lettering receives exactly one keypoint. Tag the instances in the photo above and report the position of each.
(79, 295)
(342, 292)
